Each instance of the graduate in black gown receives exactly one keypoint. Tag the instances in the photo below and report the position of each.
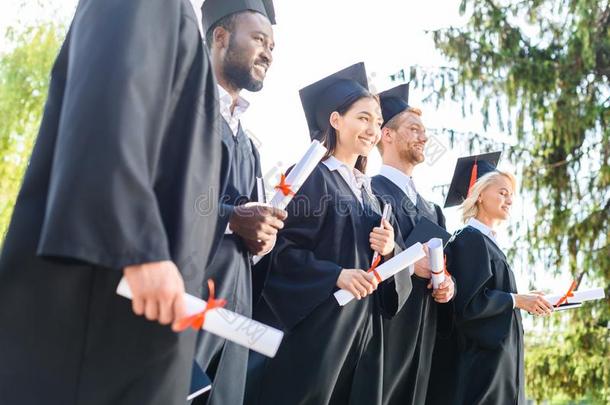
(240, 37)
(330, 354)
(409, 337)
(128, 145)
(489, 332)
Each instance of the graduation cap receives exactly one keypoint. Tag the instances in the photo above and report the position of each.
(321, 98)
(426, 230)
(215, 10)
(467, 171)
(394, 101)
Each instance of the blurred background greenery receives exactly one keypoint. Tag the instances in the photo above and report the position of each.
(539, 69)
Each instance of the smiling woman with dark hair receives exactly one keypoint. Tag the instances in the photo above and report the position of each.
(330, 354)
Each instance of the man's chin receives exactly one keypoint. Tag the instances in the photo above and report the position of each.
(417, 158)
(254, 85)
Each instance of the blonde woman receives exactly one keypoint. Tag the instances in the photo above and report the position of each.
(489, 362)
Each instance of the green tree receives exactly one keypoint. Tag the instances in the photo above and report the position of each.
(24, 80)
(540, 71)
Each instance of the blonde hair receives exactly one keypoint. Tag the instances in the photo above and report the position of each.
(469, 207)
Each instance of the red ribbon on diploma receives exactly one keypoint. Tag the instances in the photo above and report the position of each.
(444, 270)
(196, 321)
(374, 266)
(283, 187)
(569, 293)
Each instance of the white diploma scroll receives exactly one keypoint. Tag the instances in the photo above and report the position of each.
(227, 324)
(577, 300)
(386, 270)
(295, 179)
(437, 261)
(261, 194)
(261, 198)
(299, 173)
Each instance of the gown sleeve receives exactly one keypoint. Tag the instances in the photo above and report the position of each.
(226, 210)
(441, 221)
(482, 312)
(101, 205)
(298, 281)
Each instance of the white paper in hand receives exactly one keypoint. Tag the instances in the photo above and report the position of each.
(227, 324)
(386, 270)
(576, 300)
(299, 173)
(437, 261)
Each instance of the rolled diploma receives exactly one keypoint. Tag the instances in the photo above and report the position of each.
(437, 261)
(386, 270)
(299, 173)
(227, 324)
(297, 176)
(579, 296)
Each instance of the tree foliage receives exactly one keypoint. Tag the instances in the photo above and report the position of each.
(24, 79)
(539, 70)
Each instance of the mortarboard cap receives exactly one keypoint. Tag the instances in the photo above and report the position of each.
(467, 171)
(426, 230)
(215, 10)
(321, 98)
(394, 101)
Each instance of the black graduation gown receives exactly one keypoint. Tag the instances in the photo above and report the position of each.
(226, 362)
(330, 354)
(123, 169)
(409, 337)
(442, 382)
(489, 332)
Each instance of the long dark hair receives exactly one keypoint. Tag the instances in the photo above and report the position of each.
(329, 136)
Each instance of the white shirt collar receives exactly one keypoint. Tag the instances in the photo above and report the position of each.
(197, 4)
(225, 100)
(401, 180)
(353, 177)
(484, 229)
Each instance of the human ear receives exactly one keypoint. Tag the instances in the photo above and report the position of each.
(335, 120)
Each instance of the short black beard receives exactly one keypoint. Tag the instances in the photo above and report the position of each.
(237, 72)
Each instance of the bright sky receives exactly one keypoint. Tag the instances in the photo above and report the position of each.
(315, 38)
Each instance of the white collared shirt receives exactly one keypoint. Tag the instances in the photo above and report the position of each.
(197, 4)
(225, 100)
(404, 183)
(401, 180)
(354, 178)
(490, 233)
(484, 229)
(232, 118)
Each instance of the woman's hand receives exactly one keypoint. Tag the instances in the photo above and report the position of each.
(382, 239)
(534, 303)
(358, 282)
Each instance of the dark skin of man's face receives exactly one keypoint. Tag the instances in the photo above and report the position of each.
(242, 59)
(249, 53)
